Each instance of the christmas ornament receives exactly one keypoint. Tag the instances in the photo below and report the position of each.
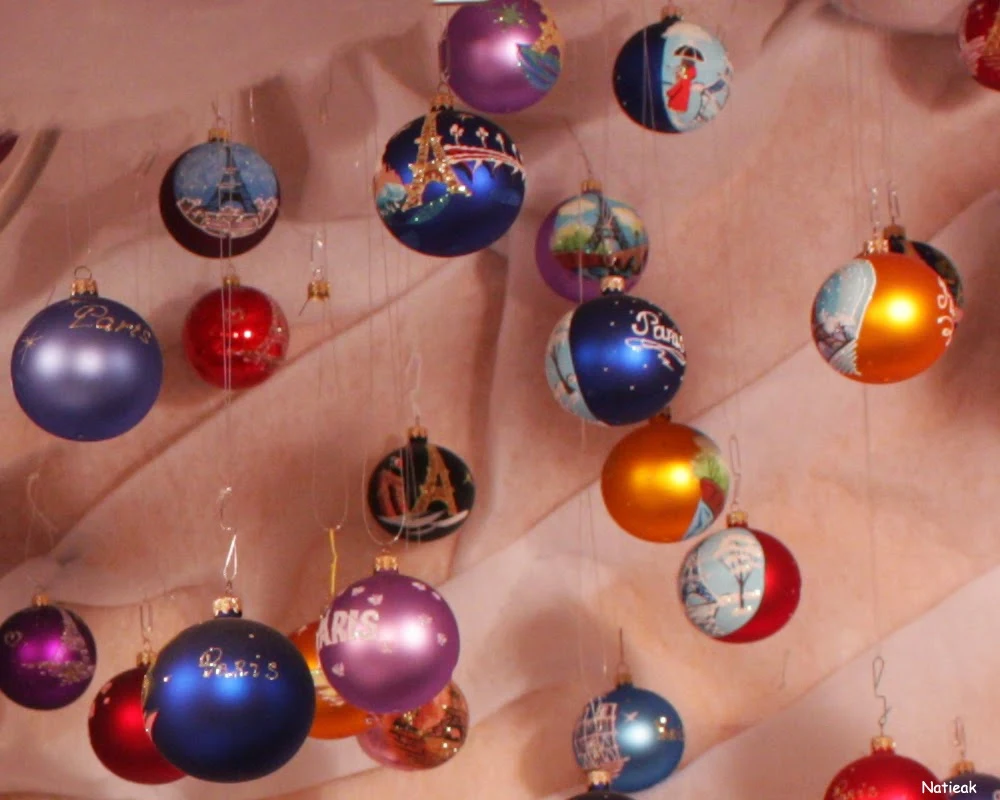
(239, 325)
(229, 699)
(599, 783)
(388, 643)
(965, 782)
(665, 482)
(118, 732)
(86, 368)
(883, 317)
(615, 360)
(420, 739)
(335, 719)
(739, 584)
(979, 41)
(421, 491)
(220, 198)
(450, 183)
(933, 258)
(48, 657)
(501, 56)
(587, 238)
(672, 77)
(883, 774)
(633, 734)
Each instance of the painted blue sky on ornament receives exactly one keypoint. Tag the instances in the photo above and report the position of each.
(839, 311)
(561, 373)
(696, 75)
(724, 583)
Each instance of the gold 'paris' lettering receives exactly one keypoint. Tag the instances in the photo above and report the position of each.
(211, 663)
(100, 317)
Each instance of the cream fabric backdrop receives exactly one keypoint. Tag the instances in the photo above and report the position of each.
(750, 214)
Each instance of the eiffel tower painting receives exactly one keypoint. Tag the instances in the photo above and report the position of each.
(432, 166)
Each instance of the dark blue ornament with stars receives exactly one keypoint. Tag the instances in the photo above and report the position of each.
(450, 183)
(973, 785)
(87, 368)
(615, 360)
(230, 699)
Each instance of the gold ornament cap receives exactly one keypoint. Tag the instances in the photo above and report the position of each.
(963, 767)
(670, 11)
(591, 186)
(663, 418)
(737, 519)
(877, 245)
(894, 231)
(145, 658)
(319, 289)
(598, 778)
(82, 283)
(612, 283)
(386, 562)
(443, 98)
(219, 134)
(883, 744)
(418, 432)
(230, 279)
(40, 599)
(228, 605)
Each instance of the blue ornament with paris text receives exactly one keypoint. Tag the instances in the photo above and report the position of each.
(450, 183)
(616, 359)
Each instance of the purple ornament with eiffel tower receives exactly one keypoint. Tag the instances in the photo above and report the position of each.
(449, 183)
(47, 656)
(587, 238)
(501, 56)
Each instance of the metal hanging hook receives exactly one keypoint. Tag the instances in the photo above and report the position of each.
(960, 737)
(873, 211)
(415, 366)
(146, 625)
(224, 497)
(220, 121)
(893, 199)
(623, 673)
(878, 667)
(736, 468)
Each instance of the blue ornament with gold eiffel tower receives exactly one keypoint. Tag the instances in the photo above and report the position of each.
(450, 183)
(421, 491)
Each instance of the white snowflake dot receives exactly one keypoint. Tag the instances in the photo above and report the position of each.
(357, 590)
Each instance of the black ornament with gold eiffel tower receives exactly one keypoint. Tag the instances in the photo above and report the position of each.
(450, 183)
(421, 491)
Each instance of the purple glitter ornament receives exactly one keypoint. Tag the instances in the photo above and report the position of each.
(502, 55)
(48, 656)
(587, 238)
(388, 643)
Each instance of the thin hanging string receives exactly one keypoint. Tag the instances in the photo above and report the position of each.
(736, 471)
(959, 739)
(606, 121)
(253, 118)
(146, 628)
(853, 111)
(86, 194)
(332, 532)
(36, 517)
(231, 567)
(872, 525)
(414, 367)
(623, 671)
(878, 667)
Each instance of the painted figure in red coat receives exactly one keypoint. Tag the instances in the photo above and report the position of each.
(679, 95)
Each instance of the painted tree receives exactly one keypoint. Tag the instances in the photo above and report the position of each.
(740, 553)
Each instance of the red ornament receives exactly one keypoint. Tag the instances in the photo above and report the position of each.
(979, 41)
(242, 323)
(883, 775)
(118, 732)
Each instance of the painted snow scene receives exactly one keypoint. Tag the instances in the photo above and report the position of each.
(696, 76)
(722, 581)
(600, 237)
(839, 312)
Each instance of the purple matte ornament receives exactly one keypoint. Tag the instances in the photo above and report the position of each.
(48, 656)
(501, 56)
(388, 643)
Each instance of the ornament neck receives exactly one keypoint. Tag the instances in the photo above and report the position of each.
(40, 599)
(227, 606)
(894, 232)
(663, 418)
(145, 658)
(612, 284)
(963, 767)
(386, 563)
(591, 186)
(83, 282)
(877, 245)
(883, 744)
(671, 13)
(417, 433)
(599, 779)
(443, 98)
(319, 289)
(737, 519)
(230, 280)
(219, 134)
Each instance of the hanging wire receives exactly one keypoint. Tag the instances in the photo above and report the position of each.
(231, 567)
(86, 193)
(960, 744)
(415, 367)
(874, 211)
(895, 215)
(736, 470)
(36, 516)
(332, 532)
(878, 667)
(146, 628)
(623, 673)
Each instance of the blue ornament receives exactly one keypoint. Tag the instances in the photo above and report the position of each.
(633, 730)
(450, 183)
(972, 785)
(615, 360)
(229, 699)
(86, 368)
(220, 198)
(672, 77)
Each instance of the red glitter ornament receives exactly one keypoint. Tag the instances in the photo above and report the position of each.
(979, 41)
(883, 775)
(118, 731)
(241, 323)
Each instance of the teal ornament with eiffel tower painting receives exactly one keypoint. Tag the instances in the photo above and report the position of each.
(220, 198)
(450, 183)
